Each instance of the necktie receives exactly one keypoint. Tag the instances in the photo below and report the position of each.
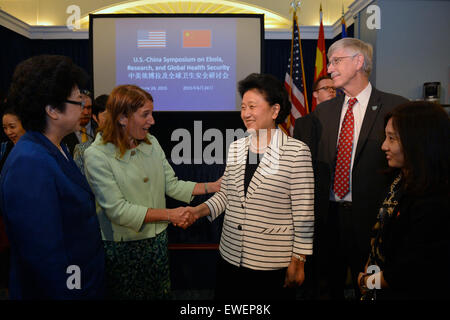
(344, 153)
(84, 136)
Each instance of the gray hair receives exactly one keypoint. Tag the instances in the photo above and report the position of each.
(357, 46)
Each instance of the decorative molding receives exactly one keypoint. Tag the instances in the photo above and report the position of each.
(14, 24)
(40, 32)
(358, 5)
(62, 32)
(306, 32)
(57, 32)
(273, 20)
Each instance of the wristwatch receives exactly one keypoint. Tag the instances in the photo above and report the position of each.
(299, 257)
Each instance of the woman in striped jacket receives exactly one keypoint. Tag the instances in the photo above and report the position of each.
(267, 194)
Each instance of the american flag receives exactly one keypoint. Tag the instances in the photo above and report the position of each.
(294, 82)
(151, 39)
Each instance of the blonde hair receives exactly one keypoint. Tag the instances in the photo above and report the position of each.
(123, 100)
(357, 46)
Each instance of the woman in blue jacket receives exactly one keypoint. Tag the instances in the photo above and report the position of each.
(48, 207)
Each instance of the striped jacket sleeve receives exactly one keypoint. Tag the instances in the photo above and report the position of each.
(218, 202)
(302, 201)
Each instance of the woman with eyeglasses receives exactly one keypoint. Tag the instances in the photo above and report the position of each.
(410, 245)
(48, 206)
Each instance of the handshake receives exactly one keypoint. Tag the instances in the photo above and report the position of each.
(183, 217)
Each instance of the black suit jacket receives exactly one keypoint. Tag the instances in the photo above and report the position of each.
(320, 132)
(71, 140)
(417, 248)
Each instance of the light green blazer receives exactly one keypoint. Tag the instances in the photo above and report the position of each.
(126, 187)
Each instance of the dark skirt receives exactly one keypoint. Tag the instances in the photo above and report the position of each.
(138, 270)
(243, 284)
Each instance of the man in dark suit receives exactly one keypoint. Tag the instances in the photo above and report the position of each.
(87, 125)
(345, 136)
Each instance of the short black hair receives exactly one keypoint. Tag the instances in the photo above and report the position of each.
(271, 88)
(10, 110)
(424, 131)
(87, 93)
(41, 81)
(99, 104)
(316, 83)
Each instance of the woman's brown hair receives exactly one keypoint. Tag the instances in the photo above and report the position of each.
(123, 100)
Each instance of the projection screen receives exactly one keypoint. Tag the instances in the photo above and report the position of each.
(186, 62)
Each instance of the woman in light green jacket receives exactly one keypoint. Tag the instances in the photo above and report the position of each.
(130, 176)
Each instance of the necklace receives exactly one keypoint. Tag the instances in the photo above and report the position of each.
(254, 147)
(391, 200)
(257, 150)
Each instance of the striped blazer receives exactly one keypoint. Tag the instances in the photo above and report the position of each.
(262, 229)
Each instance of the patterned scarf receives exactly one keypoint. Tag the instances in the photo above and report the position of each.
(385, 215)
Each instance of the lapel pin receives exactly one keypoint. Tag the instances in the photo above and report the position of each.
(374, 108)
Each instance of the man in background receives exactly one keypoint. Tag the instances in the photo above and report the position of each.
(87, 125)
(323, 89)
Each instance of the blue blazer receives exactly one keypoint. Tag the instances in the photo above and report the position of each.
(51, 223)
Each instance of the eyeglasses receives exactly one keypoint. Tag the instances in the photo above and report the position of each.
(336, 60)
(80, 103)
(326, 88)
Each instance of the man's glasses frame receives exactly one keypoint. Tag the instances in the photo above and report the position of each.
(326, 88)
(336, 60)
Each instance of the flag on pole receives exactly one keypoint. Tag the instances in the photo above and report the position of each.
(295, 81)
(344, 27)
(321, 57)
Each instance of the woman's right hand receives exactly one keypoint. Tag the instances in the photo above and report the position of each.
(181, 217)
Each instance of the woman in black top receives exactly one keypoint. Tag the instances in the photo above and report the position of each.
(13, 129)
(410, 255)
(12, 126)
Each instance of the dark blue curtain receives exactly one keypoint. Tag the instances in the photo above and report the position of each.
(17, 48)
